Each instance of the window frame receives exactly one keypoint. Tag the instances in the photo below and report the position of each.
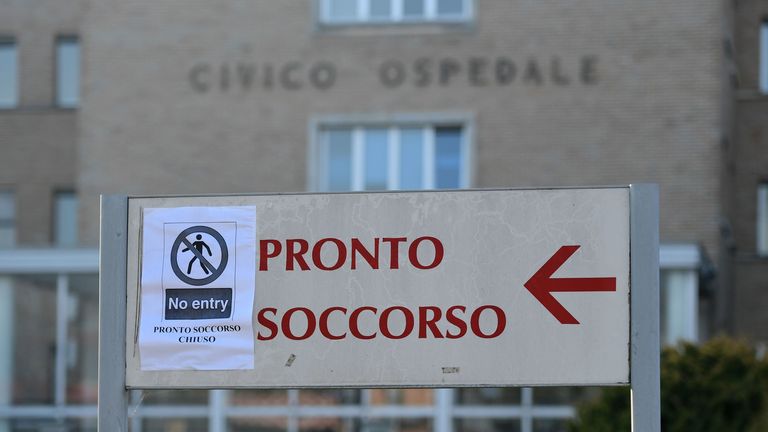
(317, 160)
(10, 41)
(323, 16)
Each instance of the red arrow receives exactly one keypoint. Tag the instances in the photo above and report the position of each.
(542, 285)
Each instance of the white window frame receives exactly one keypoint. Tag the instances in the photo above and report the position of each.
(318, 161)
(13, 102)
(397, 17)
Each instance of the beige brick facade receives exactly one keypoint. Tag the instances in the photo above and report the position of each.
(38, 140)
(193, 96)
(604, 92)
(748, 168)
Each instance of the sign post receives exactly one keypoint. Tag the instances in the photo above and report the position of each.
(398, 289)
(645, 379)
(113, 396)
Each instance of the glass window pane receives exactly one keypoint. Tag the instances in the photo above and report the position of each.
(7, 307)
(679, 305)
(411, 158)
(396, 425)
(8, 74)
(329, 397)
(83, 425)
(447, 157)
(381, 8)
(257, 424)
(376, 152)
(762, 219)
(342, 9)
(50, 424)
(68, 72)
(7, 205)
(31, 351)
(409, 397)
(764, 57)
(413, 8)
(489, 396)
(175, 425)
(339, 159)
(65, 219)
(7, 236)
(7, 219)
(333, 424)
(82, 339)
(450, 7)
(487, 425)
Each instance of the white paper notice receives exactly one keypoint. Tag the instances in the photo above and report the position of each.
(198, 281)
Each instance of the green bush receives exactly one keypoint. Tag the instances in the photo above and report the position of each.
(717, 386)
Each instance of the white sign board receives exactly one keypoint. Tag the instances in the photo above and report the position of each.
(454, 288)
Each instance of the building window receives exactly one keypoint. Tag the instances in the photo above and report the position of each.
(762, 219)
(65, 219)
(7, 219)
(392, 157)
(9, 74)
(394, 11)
(67, 72)
(52, 364)
(764, 57)
(679, 306)
(680, 315)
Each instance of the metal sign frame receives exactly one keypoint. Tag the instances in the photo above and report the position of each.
(644, 310)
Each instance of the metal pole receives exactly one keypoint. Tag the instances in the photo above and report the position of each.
(113, 397)
(217, 404)
(644, 308)
(443, 410)
(60, 374)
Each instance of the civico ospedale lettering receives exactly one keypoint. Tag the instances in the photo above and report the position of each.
(423, 253)
(424, 72)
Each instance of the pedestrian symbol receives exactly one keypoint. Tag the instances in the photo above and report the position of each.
(195, 251)
(198, 245)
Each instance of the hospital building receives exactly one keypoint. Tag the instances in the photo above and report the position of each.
(200, 97)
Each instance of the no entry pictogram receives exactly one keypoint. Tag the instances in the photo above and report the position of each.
(197, 248)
